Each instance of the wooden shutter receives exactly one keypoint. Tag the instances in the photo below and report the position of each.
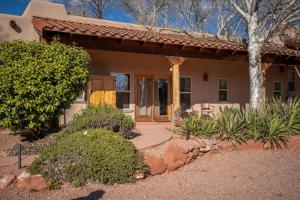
(102, 90)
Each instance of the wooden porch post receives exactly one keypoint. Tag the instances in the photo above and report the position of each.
(175, 62)
(265, 67)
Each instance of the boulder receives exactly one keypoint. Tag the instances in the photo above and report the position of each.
(175, 157)
(31, 182)
(188, 145)
(6, 180)
(156, 164)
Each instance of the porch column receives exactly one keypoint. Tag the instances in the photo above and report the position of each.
(175, 63)
(265, 67)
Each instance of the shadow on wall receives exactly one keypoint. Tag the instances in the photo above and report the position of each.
(98, 194)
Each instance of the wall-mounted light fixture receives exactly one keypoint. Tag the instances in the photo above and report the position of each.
(14, 25)
(205, 77)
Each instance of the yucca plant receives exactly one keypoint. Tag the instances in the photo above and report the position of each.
(288, 111)
(274, 131)
(255, 121)
(199, 126)
(232, 126)
(293, 116)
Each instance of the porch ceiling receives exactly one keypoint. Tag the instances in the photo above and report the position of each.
(149, 41)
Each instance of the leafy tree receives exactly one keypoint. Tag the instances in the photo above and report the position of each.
(38, 80)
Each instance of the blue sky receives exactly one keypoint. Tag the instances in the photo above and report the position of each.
(17, 7)
(14, 7)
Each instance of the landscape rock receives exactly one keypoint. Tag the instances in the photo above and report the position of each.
(6, 180)
(175, 157)
(209, 142)
(196, 152)
(206, 149)
(188, 145)
(192, 156)
(31, 182)
(156, 164)
(202, 144)
(139, 175)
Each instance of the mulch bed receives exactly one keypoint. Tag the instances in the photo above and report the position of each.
(33, 147)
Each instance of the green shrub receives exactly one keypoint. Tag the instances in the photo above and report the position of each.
(102, 116)
(38, 80)
(54, 184)
(95, 154)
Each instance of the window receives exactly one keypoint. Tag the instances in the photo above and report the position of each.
(185, 92)
(223, 90)
(277, 89)
(122, 90)
(81, 96)
(291, 81)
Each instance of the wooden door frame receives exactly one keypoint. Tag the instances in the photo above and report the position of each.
(153, 76)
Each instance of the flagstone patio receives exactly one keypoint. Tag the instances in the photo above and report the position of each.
(150, 134)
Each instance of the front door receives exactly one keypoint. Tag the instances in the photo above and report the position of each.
(153, 98)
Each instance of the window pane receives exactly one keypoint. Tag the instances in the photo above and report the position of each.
(277, 86)
(185, 84)
(222, 95)
(185, 100)
(223, 84)
(291, 76)
(122, 82)
(122, 99)
(291, 86)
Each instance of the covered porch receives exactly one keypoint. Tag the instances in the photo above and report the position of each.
(153, 74)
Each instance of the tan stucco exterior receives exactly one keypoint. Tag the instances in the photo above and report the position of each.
(106, 62)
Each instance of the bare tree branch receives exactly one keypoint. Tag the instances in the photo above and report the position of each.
(244, 14)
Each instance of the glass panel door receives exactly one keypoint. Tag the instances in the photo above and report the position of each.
(144, 98)
(161, 93)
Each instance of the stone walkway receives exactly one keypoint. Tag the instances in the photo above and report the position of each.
(150, 134)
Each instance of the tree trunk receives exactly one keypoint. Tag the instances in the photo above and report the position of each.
(255, 71)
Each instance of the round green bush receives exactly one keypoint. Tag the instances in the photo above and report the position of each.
(94, 154)
(38, 80)
(102, 116)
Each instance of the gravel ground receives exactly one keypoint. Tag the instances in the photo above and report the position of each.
(253, 174)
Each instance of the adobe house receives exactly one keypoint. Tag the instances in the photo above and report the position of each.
(152, 73)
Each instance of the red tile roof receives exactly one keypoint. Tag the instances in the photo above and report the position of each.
(46, 24)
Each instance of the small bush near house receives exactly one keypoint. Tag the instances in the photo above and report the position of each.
(38, 80)
(102, 116)
(95, 154)
(273, 124)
